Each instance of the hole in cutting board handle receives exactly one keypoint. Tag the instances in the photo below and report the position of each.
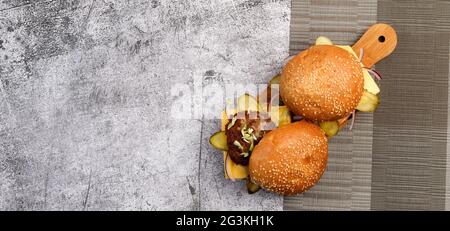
(381, 39)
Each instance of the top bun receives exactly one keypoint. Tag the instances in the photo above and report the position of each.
(324, 83)
(290, 159)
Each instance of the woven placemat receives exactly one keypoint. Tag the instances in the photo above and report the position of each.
(395, 158)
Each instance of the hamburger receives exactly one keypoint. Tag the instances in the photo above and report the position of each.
(322, 83)
(242, 129)
(320, 89)
(290, 159)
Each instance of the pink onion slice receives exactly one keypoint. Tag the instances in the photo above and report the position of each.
(361, 54)
(297, 118)
(374, 73)
(353, 119)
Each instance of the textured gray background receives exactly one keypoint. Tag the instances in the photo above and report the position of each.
(85, 100)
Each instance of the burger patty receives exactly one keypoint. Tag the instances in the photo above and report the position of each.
(244, 131)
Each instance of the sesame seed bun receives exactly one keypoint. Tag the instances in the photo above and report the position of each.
(322, 83)
(290, 159)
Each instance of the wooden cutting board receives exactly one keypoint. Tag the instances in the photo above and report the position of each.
(378, 42)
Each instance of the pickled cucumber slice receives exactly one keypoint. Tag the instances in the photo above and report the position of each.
(330, 128)
(247, 102)
(274, 92)
(275, 80)
(280, 115)
(368, 103)
(322, 40)
(219, 141)
(252, 187)
(369, 84)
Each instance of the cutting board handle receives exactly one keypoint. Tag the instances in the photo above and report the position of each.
(378, 42)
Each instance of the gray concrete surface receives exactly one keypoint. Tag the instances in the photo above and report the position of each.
(85, 100)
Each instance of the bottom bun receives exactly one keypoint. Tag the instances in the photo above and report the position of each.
(290, 159)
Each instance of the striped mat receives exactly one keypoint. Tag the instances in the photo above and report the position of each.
(396, 158)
